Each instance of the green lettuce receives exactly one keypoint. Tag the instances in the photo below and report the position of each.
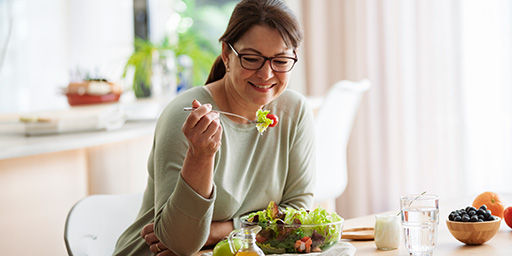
(262, 120)
(302, 223)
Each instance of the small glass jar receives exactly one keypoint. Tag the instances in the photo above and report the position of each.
(387, 231)
(248, 236)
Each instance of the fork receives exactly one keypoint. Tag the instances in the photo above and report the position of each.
(225, 113)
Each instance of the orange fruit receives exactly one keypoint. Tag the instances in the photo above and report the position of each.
(492, 201)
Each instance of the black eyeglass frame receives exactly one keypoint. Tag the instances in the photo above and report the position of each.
(241, 55)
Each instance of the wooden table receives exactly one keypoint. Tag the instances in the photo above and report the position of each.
(501, 244)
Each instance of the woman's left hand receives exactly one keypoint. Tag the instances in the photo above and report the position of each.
(218, 231)
(155, 246)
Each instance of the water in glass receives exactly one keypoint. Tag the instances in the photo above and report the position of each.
(420, 221)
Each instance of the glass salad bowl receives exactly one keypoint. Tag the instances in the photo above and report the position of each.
(294, 231)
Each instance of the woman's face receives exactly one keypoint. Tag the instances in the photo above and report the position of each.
(256, 87)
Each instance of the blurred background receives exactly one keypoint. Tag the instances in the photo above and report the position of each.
(437, 116)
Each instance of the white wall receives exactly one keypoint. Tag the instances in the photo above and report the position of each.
(298, 78)
(49, 38)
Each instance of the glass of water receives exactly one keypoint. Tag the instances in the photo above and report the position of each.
(420, 219)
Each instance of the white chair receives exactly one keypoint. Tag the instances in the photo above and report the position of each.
(334, 121)
(95, 223)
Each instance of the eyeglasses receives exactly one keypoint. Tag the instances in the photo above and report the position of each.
(278, 64)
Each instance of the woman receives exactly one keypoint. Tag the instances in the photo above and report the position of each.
(206, 170)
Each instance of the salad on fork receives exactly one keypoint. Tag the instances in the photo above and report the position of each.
(263, 121)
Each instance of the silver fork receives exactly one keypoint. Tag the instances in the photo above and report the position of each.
(225, 113)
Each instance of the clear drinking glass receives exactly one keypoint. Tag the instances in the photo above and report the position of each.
(420, 220)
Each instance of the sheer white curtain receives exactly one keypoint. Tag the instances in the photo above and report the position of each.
(487, 81)
(438, 116)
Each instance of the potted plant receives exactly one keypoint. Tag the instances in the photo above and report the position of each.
(142, 62)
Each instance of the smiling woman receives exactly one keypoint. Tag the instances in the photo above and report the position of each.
(205, 168)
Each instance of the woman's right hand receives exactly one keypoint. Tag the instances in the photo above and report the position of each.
(203, 130)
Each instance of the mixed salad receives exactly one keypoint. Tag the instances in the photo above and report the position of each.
(265, 120)
(292, 230)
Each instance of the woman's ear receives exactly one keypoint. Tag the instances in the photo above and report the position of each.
(225, 54)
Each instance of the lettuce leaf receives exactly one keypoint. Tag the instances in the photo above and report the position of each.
(263, 120)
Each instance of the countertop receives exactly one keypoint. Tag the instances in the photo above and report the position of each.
(19, 145)
(139, 119)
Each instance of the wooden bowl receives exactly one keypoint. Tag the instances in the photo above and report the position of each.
(474, 233)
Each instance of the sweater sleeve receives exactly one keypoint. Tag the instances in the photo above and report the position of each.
(298, 192)
(182, 216)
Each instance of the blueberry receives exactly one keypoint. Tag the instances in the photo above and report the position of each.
(480, 217)
(487, 213)
(467, 209)
(457, 218)
(480, 212)
(451, 217)
(483, 207)
(480, 220)
(474, 218)
(471, 213)
(465, 218)
(471, 208)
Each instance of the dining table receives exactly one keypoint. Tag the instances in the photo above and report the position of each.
(499, 245)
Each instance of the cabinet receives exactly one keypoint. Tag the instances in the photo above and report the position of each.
(42, 177)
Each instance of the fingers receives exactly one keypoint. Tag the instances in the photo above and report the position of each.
(151, 238)
(157, 248)
(196, 115)
(149, 228)
(203, 129)
(208, 124)
(196, 104)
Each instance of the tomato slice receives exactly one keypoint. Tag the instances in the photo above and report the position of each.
(274, 118)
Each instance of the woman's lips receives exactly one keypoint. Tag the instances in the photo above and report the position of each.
(262, 87)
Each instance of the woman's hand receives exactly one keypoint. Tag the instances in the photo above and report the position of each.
(204, 133)
(218, 231)
(203, 130)
(155, 246)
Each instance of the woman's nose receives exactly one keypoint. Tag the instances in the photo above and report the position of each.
(266, 71)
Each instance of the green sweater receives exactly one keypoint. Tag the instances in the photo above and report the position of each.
(250, 170)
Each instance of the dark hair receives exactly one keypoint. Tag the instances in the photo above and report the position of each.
(247, 13)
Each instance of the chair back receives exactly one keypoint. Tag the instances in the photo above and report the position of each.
(334, 121)
(95, 223)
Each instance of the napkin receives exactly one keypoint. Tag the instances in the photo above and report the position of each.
(339, 249)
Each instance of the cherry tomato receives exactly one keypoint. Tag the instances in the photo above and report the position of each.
(274, 118)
